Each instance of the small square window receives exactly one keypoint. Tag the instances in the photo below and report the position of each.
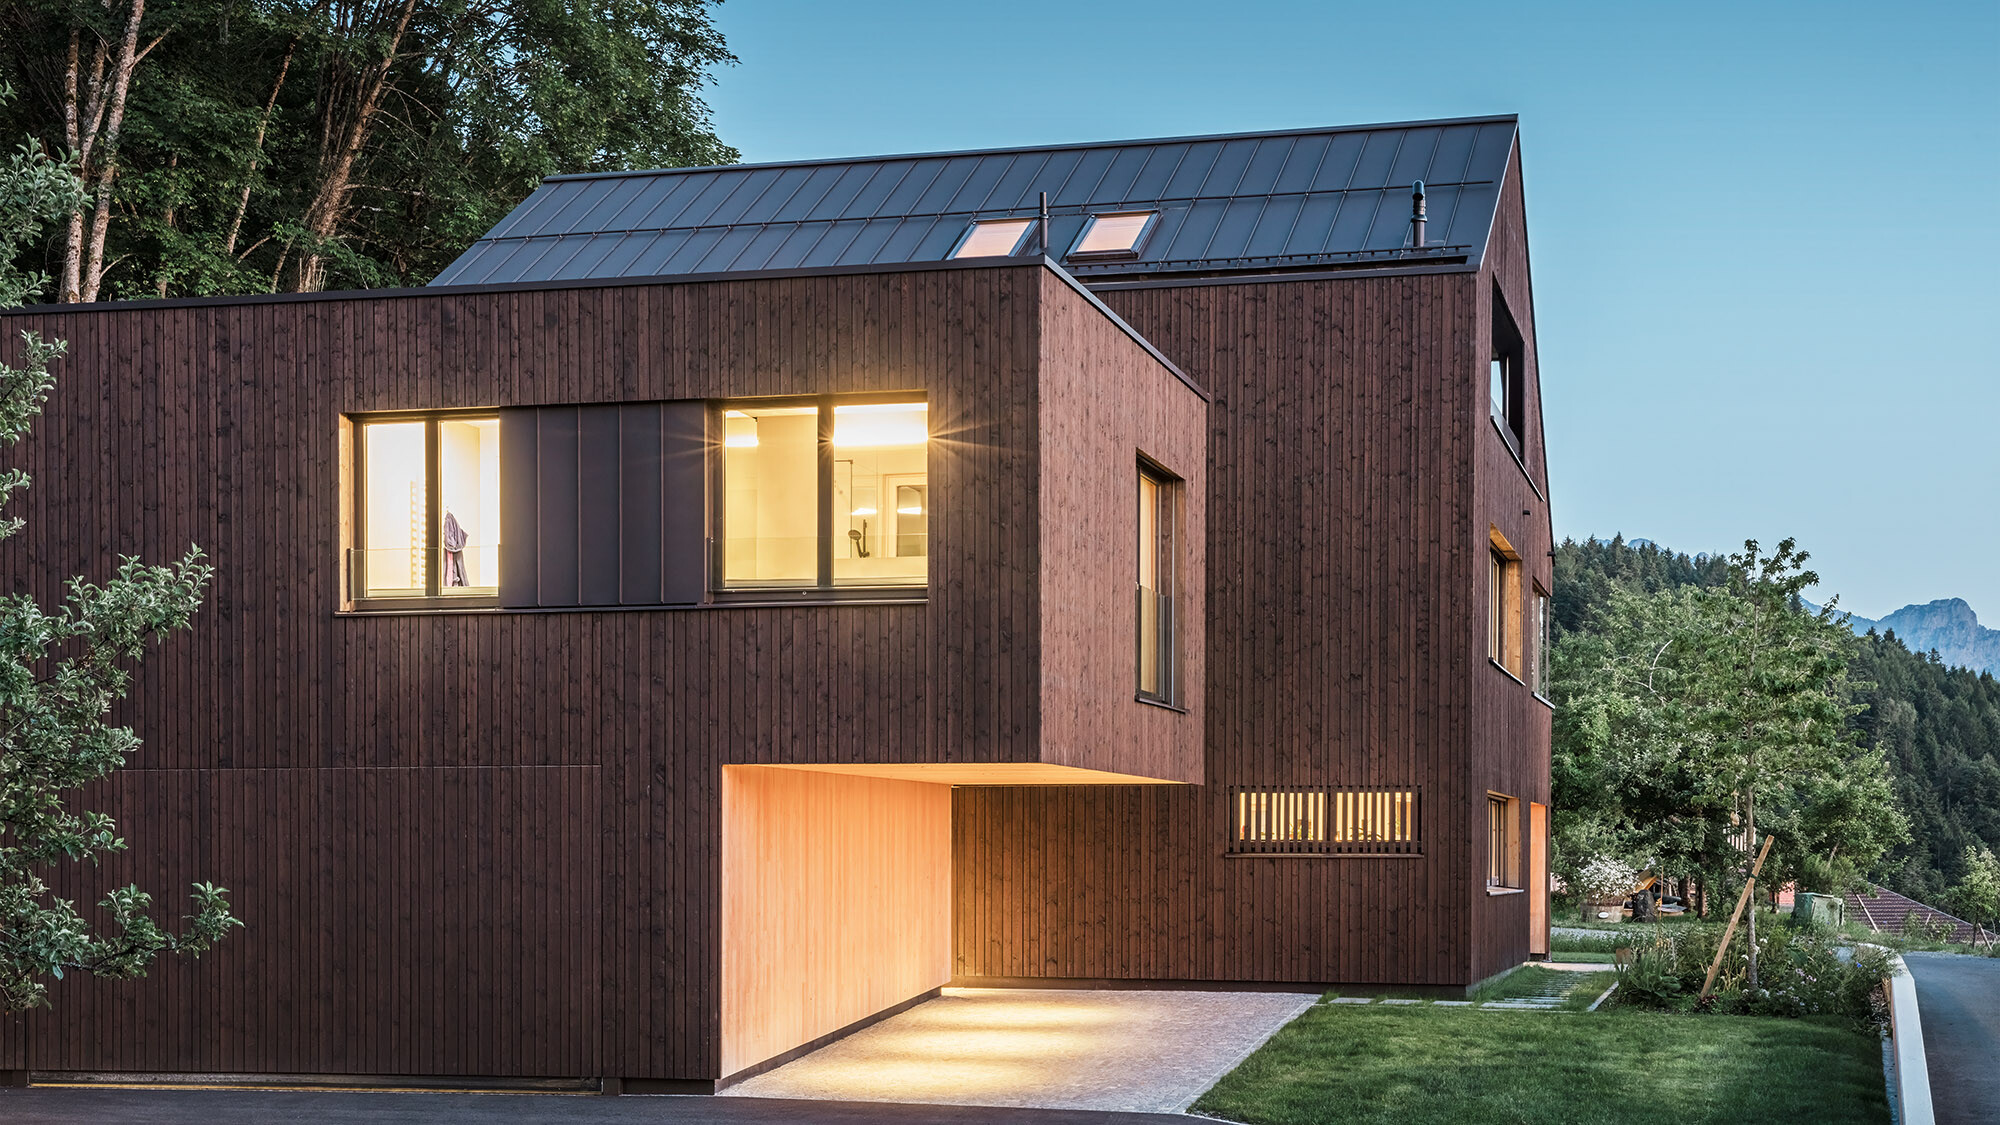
(1113, 234)
(993, 238)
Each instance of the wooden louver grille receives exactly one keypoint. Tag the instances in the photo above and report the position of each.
(1371, 821)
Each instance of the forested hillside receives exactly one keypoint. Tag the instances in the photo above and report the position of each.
(1938, 726)
(301, 145)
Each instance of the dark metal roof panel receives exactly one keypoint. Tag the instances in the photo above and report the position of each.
(1297, 198)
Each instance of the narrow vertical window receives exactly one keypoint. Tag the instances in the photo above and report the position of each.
(1506, 377)
(426, 504)
(1539, 666)
(1504, 610)
(1158, 579)
(1502, 857)
(818, 494)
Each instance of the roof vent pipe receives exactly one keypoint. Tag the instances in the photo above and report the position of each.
(1417, 215)
(1047, 249)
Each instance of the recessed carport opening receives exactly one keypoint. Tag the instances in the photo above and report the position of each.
(837, 895)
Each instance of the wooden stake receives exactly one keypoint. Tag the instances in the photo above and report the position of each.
(1742, 899)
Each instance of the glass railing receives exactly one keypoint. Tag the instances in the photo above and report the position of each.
(407, 572)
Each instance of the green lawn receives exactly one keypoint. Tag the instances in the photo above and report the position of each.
(1413, 1066)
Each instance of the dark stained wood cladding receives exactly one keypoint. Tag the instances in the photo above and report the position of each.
(1340, 600)
(1510, 728)
(486, 844)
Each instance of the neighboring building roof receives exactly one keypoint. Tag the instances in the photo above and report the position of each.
(1306, 198)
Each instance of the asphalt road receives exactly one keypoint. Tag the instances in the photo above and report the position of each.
(73, 1106)
(1959, 997)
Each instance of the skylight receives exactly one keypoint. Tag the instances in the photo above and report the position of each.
(1114, 234)
(993, 238)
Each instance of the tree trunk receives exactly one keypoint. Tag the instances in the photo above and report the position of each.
(1751, 805)
(341, 142)
(257, 152)
(92, 121)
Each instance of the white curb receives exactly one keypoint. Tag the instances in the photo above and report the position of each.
(1906, 1032)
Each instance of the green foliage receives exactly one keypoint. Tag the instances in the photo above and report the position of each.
(1976, 896)
(235, 121)
(1936, 727)
(1710, 699)
(34, 190)
(1802, 972)
(60, 673)
(1926, 929)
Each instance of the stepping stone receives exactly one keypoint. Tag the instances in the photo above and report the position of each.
(1402, 1001)
(1451, 1003)
(1354, 999)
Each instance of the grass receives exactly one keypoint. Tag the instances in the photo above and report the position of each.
(1584, 956)
(1533, 980)
(1419, 1065)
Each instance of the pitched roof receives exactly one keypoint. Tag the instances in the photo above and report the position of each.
(1303, 198)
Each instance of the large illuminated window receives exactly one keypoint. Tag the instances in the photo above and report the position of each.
(426, 507)
(820, 493)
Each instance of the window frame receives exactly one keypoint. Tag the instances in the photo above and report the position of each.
(1166, 570)
(1503, 843)
(354, 489)
(1508, 353)
(1132, 251)
(1029, 224)
(1505, 645)
(1541, 637)
(823, 589)
(1331, 815)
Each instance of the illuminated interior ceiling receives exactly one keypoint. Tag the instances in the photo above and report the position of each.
(986, 773)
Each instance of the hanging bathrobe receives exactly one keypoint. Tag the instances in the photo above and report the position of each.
(454, 551)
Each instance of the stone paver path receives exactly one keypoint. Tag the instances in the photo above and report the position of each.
(1127, 1051)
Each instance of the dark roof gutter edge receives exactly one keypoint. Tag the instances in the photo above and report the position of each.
(1083, 291)
(523, 286)
(1356, 274)
(1488, 119)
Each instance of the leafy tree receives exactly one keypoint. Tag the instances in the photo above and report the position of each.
(1977, 895)
(1691, 716)
(60, 672)
(310, 144)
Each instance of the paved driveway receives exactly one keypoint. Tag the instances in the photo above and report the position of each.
(55, 1106)
(1144, 1052)
(1959, 997)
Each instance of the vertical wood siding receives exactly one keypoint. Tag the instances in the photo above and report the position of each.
(486, 844)
(1340, 599)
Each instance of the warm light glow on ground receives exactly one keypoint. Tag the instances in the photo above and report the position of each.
(1059, 1048)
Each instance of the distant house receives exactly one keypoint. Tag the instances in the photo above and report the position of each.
(733, 603)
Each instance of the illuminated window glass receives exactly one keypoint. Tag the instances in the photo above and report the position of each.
(1157, 586)
(865, 465)
(993, 238)
(427, 508)
(1113, 234)
(1324, 821)
(770, 473)
(881, 494)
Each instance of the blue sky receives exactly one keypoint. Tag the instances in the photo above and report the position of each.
(1764, 235)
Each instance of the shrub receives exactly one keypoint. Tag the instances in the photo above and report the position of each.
(1800, 972)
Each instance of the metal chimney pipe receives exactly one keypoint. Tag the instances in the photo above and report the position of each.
(1047, 250)
(1417, 215)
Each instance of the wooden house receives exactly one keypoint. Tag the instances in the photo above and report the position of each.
(732, 603)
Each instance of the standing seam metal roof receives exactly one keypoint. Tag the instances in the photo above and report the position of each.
(1298, 199)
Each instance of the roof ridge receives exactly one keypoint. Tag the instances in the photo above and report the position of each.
(1488, 119)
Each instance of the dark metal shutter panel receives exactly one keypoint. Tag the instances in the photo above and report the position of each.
(684, 507)
(519, 434)
(598, 472)
(639, 515)
(556, 507)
